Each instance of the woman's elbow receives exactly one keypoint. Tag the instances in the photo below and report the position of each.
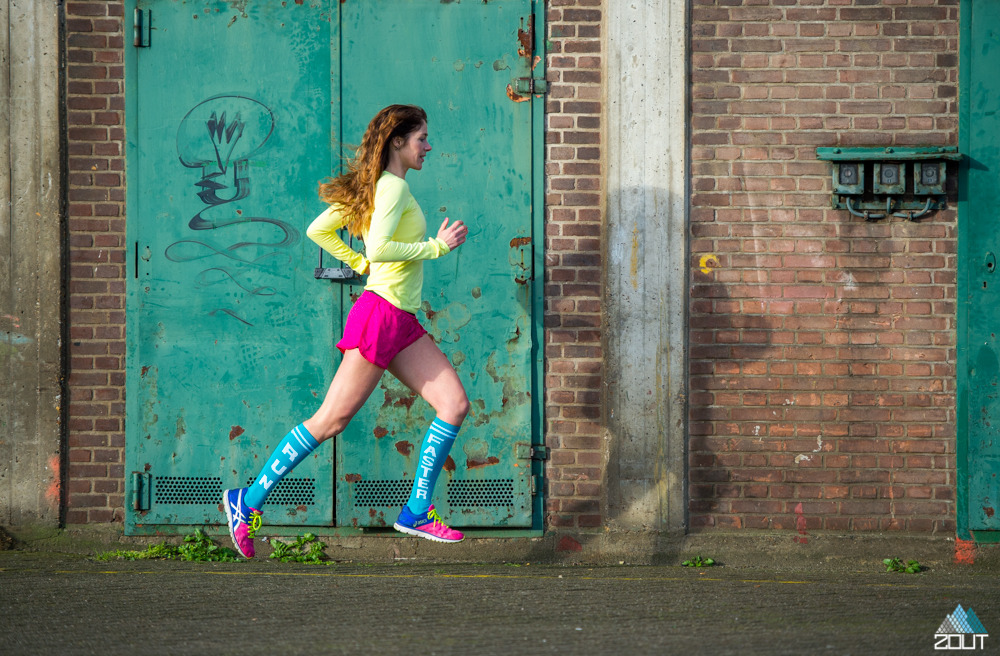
(314, 232)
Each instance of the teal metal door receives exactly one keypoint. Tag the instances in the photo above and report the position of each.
(229, 336)
(234, 115)
(458, 61)
(979, 282)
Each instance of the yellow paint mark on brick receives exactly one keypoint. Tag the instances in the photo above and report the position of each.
(705, 259)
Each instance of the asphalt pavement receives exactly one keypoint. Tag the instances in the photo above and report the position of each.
(70, 604)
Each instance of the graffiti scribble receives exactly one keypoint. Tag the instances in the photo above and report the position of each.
(218, 136)
(230, 313)
(206, 278)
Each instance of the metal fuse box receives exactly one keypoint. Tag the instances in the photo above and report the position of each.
(888, 188)
(889, 178)
(929, 177)
(848, 177)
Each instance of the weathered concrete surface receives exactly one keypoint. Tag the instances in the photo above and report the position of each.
(646, 275)
(30, 264)
(70, 605)
(766, 549)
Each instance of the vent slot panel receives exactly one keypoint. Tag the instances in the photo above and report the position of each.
(187, 490)
(207, 490)
(390, 493)
(291, 492)
(394, 493)
(497, 492)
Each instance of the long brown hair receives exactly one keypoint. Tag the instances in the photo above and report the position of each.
(353, 192)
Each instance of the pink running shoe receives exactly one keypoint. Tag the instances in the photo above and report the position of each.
(428, 526)
(244, 521)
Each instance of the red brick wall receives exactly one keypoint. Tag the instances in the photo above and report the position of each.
(574, 214)
(95, 99)
(822, 347)
(95, 103)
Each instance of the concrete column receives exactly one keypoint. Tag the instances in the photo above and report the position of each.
(30, 264)
(646, 283)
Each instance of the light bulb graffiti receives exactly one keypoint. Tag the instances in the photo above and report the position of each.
(219, 136)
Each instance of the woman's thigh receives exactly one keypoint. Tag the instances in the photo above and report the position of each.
(423, 368)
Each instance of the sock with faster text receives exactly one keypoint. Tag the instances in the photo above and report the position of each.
(291, 451)
(433, 452)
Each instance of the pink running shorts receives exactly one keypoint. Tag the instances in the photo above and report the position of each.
(379, 329)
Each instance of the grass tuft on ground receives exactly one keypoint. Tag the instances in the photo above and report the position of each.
(197, 547)
(897, 565)
(305, 549)
(698, 561)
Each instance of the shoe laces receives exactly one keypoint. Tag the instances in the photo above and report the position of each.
(432, 514)
(254, 524)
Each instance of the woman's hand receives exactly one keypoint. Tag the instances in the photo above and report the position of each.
(453, 235)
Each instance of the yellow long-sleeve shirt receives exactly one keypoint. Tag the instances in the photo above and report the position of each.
(394, 243)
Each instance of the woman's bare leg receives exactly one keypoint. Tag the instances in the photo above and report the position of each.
(353, 383)
(423, 368)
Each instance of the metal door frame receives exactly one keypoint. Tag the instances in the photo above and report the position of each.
(963, 318)
(537, 289)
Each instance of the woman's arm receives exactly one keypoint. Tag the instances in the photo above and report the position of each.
(391, 199)
(323, 231)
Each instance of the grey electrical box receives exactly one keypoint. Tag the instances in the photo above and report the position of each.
(889, 178)
(848, 177)
(928, 177)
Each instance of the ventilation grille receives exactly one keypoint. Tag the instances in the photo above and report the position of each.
(188, 490)
(497, 492)
(291, 492)
(193, 490)
(382, 493)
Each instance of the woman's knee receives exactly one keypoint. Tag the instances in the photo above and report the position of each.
(462, 406)
(455, 409)
(323, 426)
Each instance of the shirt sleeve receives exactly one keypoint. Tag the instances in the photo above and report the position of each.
(323, 231)
(391, 199)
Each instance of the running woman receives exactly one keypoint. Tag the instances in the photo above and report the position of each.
(373, 201)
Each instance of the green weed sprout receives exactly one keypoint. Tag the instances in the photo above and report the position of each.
(698, 561)
(305, 549)
(197, 547)
(897, 565)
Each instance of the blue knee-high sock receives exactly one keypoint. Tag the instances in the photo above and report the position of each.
(433, 452)
(291, 451)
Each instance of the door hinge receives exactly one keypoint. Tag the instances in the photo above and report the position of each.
(140, 28)
(342, 272)
(531, 452)
(529, 85)
(536, 485)
(141, 484)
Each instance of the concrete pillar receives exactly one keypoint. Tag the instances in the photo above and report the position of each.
(30, 264)
(646, 283)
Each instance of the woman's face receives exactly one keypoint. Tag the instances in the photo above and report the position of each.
(415, 148)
